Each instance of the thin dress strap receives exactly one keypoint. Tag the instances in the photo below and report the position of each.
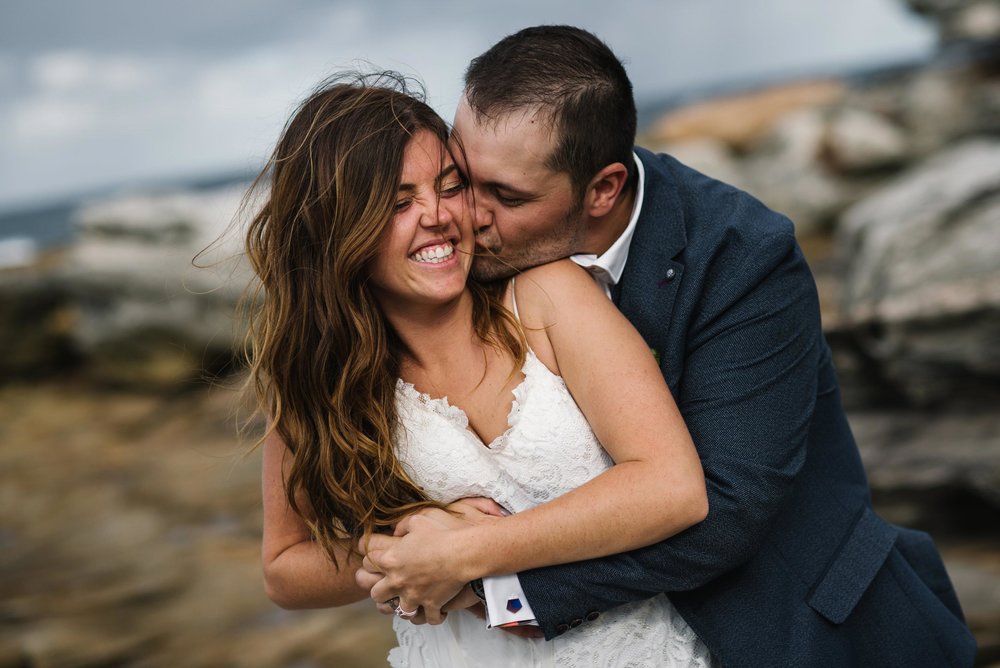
(513, 299)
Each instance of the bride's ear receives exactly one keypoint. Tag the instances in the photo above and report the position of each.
(604, 189)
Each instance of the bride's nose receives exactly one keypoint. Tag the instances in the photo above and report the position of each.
(437, 215)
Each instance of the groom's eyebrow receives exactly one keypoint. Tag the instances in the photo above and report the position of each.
(509, 189)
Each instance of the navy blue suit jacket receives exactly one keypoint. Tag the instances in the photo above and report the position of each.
(791, 567)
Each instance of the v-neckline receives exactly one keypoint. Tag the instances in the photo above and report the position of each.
(458, 415)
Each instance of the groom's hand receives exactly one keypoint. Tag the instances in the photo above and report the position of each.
(422, 565)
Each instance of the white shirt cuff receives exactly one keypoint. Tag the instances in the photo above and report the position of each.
(501, 590)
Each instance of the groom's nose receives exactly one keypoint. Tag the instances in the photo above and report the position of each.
(482, 216)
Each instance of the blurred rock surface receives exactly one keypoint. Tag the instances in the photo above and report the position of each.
(129, 536)
(923, 284)
(152, 307)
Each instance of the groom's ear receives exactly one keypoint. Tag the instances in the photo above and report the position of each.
(605, 189)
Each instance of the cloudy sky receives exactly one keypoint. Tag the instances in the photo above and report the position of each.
(103, 92)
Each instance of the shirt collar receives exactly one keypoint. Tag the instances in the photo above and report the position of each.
(609, 265)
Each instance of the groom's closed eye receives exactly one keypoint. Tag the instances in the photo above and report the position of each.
(508, 196)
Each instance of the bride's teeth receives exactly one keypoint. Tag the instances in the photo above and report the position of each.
(434, 255)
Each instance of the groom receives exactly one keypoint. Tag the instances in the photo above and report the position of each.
(791, 567)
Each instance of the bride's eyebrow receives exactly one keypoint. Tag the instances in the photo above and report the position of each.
(445, 173)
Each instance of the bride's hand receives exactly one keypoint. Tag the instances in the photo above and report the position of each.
(423, 562)
(466, 600)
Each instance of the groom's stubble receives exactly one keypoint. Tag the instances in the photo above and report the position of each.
(498, 259)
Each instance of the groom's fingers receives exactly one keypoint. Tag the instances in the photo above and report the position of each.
(524, 631)
(465, 599)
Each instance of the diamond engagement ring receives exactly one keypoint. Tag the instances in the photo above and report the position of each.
(406, 614)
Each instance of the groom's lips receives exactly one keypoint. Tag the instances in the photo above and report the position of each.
(486, 249)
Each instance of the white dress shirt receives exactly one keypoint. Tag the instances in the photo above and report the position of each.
(606, 269)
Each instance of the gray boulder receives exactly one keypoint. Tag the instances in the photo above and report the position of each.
(785, 172)
(962, 20)
(146, 313)
(922, 273)
(858, 140)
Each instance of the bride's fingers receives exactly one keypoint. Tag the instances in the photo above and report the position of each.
(370, 565)
(387, 607)
(408, 611)
(382, 592)
(434, 615)
(366, 580)
(402, 527)
(419, 619)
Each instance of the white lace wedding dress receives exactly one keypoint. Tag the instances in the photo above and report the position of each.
(547, 450)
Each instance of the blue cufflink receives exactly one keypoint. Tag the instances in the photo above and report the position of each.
(514, 604)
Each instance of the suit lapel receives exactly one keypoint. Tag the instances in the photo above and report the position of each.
(652, 274)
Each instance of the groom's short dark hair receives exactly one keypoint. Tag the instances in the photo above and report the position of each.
(572, 77)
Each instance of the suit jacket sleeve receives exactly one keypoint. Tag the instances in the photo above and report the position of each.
(747, 392)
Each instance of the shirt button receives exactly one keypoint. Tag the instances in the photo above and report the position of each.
(591, 616)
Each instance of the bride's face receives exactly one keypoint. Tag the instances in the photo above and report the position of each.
(426, 252)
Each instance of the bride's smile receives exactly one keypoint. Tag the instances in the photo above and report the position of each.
(426, 252)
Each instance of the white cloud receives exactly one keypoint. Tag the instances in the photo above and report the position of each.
(78, 71)
(50, 119)
(61, 71)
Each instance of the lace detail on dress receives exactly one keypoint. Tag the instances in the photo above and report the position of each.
(547, 450)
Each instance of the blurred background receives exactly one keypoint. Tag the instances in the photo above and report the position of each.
(129, 494)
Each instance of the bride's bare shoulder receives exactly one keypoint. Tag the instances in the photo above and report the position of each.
(545, 292)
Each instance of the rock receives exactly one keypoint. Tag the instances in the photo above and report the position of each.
(915, 453)
(38, 319)
(861, 141)
(709, 156)
(740, 120)
(975, 573)
(130, 536)
(962, 20)
(936, 108)
(784, 171)
(18, 252)
(922, 280)
(145, 313)
(980, 21)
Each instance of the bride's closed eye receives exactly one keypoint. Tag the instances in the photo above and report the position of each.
(453, 188)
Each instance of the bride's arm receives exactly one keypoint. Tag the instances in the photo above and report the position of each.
(297, 572)
(655, 489)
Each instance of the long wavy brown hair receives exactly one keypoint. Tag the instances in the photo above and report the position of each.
(323, 360)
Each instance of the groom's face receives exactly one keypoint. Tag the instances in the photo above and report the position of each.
(526, 214)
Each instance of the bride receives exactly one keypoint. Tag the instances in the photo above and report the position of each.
(392, 384)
